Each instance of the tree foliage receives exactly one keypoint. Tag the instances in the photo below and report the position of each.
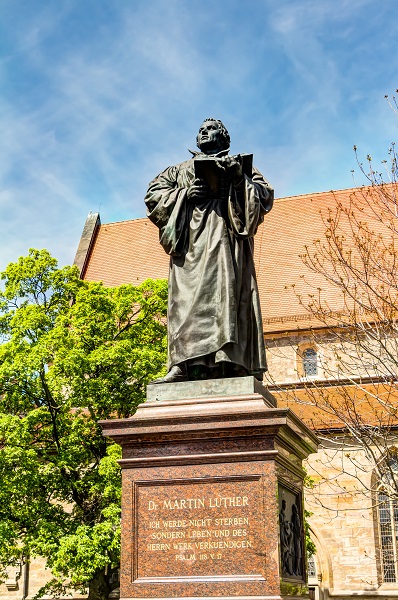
(72, 353)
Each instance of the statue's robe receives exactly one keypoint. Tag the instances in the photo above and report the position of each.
(214, 309)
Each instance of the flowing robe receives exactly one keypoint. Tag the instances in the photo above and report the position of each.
(214, 310)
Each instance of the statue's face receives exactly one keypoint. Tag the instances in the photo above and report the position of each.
(209, 137)
(209, 131)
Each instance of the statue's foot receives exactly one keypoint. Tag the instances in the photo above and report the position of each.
(175, 374)
(259, 375)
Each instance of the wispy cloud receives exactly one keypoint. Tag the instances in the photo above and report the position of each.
(99, 97)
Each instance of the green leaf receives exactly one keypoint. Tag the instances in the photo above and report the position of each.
(72, 353)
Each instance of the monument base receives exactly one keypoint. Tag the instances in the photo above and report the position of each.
(212, 492)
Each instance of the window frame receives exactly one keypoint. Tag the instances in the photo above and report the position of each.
(302, 348)
(386, 500)
(393, 525)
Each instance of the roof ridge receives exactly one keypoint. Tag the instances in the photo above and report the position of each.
(322, 193)
(279, 199)
(349, 189)
(126, 221)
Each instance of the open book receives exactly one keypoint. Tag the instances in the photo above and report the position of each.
(207, 168)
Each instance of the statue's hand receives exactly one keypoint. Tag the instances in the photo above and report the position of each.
(199, 190)
(233, 167)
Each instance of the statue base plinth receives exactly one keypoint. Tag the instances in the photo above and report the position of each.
(203, 468)
(208, 388)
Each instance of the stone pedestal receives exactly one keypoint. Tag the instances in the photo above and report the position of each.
(210, 473)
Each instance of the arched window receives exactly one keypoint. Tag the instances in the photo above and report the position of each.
(310, 362)
(387, 506)
(311, 566)
(313, 584)
(388, 523)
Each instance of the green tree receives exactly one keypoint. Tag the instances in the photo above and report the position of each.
(72, 353)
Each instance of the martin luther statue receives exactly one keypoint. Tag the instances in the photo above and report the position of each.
(208, 210)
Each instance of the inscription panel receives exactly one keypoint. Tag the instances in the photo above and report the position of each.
(199, 528)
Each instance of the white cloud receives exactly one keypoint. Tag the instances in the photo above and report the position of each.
(99, 102)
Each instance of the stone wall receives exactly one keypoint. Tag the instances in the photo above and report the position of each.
(344, 523)
(338, 358)
(344, 518)
(25, 581)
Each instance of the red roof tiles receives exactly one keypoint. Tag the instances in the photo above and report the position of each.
(129, 252)
(126, 252)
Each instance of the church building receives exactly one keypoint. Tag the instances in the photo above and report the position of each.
(353, 520)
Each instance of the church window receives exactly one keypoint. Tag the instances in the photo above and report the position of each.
(388, 524)
(310, 362)
(311, 566)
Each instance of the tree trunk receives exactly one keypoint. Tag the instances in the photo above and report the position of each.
(99, 588)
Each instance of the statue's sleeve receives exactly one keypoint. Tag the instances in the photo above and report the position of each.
(248, 203)
(167, 209)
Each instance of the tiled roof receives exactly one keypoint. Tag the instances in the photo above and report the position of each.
(355, 406)
(126, 252)
(129, 252)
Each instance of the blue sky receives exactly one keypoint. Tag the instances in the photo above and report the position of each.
(98, 96)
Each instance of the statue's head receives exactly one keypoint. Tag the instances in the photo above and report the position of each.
(213, 136)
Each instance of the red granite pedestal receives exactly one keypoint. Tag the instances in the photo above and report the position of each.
(204, 473)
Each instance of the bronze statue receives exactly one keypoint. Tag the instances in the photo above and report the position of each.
(208, 210)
